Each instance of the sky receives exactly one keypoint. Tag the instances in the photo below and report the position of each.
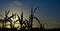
(48, 10)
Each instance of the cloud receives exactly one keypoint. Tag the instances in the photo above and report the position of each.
(15, 3)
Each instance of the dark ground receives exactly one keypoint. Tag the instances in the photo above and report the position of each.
(33, 29)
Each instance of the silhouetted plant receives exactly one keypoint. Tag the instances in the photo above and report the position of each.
(31, 17)
(6, 18)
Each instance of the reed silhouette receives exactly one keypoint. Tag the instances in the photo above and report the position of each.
(26, 25)
(6, 18)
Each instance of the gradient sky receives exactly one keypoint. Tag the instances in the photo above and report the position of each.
(48, 10)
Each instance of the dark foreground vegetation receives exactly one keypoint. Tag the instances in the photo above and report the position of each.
(33, 29)
(24, 23)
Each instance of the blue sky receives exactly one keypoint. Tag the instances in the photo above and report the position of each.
(48, 10)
